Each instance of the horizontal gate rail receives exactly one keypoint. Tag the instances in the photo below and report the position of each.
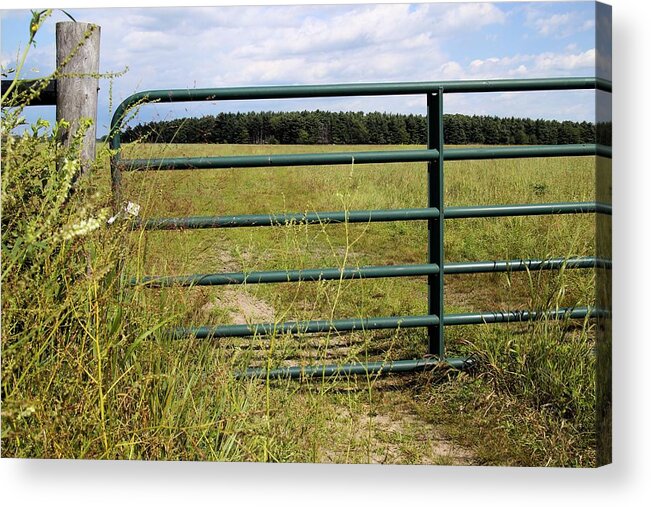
(298, 275)
(458, 268)
(367, 272)
(356, 90)
(372, 323)
(370, 368)
(360, 157)
(513, 210)
(267, 220)
(306, 326)
(464, 319)
(566, 150)
(366, 216)
(296, 159)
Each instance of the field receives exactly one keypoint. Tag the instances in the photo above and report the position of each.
(118, 387)
(247, 191)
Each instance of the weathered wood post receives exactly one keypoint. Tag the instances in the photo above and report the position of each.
(77, 60)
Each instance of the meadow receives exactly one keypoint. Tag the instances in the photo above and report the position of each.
(125, 390)
(279, 190)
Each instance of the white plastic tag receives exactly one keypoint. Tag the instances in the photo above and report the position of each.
(132, 208)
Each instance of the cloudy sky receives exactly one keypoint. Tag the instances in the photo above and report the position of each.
(223, 46)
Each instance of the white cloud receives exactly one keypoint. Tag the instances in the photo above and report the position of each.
(451, 71)
(470, 16)
(147, 41)
(554, 24)
(558, 25)
(545, 64)
(360, 27)
(230, 46)
(555, 62)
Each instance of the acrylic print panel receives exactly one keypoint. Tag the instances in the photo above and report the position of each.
(367, 233)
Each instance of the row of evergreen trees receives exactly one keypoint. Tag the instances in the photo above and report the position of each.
(323, 127)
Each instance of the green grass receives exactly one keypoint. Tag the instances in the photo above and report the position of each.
(535, 363)
(216, 192)
(123, 390)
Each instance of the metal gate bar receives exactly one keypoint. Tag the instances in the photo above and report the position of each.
(367, 216)
(306, 326)
(360, 157)
(298, 159)
(355, 90)
(369, 368)
(367, 272)
(373, 323)
(296, 275)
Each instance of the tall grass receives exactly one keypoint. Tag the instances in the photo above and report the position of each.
(85, 372)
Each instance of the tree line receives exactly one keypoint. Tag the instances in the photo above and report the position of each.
(323, 127)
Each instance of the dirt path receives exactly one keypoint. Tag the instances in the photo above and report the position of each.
(386, 430)
(241, 306)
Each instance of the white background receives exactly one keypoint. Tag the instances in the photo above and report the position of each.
(626, 482)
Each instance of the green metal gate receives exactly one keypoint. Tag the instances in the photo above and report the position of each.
(435, 214)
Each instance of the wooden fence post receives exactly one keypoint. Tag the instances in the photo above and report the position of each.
(77, 59)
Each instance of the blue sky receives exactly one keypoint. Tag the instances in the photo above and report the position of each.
(166, 47)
